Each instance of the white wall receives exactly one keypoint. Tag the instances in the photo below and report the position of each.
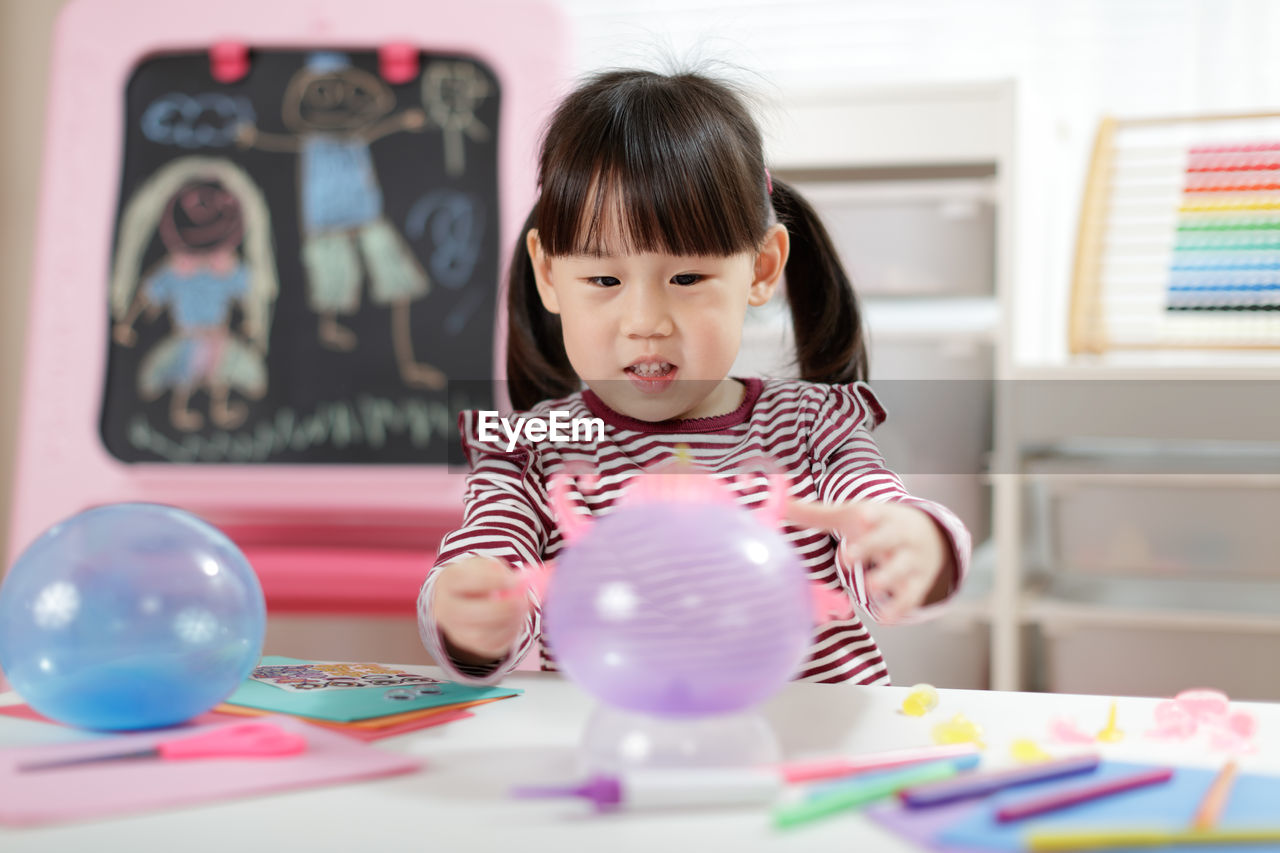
(1074, 60)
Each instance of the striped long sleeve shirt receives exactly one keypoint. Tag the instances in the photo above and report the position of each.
(819, 436)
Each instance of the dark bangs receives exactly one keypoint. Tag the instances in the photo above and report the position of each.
(639, 162)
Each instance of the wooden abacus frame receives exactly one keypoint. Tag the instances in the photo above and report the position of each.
(1089, 327)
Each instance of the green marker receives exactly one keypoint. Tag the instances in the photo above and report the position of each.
(853, 795)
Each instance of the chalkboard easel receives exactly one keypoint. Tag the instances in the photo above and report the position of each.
(268, 269)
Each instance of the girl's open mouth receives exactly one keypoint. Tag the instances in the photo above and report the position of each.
(651, 377)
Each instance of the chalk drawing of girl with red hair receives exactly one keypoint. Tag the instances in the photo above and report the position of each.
(213, 224)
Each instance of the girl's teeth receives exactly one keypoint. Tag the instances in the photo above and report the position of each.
(651, 369)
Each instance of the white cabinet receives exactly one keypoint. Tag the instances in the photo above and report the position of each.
(1148, 515)
(915, 187)
(912, 236)
(1126, 507)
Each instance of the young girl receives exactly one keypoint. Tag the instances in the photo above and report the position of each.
(657, 226)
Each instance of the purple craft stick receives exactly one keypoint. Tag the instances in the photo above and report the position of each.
(980, 784)
(1082, 794)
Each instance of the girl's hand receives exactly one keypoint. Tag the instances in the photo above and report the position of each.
(906, 558)
(480, 607)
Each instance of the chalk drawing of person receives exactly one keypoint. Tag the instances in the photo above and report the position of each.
(451, 92)
(213, 223)
(335, 111)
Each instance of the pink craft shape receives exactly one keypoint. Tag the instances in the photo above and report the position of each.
(1209, 712)
(1173, 721)
(1205, 705)
(62, 466)
(1065, 730)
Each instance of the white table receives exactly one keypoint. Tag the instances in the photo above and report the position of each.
(459, 802)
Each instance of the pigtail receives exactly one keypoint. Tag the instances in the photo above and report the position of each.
(830, 346)
(537, 365)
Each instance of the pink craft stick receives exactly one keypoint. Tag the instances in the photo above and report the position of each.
(235, 740)
(533, 578)
(1081, 794)
(833, 768)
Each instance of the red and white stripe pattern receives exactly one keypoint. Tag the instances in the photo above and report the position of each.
(818, 435)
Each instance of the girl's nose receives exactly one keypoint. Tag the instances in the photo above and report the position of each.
(646, 312)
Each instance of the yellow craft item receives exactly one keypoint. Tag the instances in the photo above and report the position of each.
(1028, 750)
(959, 729)
(922, 699)
(1111, 734)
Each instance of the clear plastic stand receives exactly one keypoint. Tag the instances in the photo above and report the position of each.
(617, 740)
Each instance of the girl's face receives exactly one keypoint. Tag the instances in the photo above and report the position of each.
(654, 335)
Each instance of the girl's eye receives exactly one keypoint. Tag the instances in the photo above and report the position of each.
(604, 280)
(686, 279)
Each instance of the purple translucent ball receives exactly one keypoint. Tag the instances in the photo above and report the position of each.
(679, 609)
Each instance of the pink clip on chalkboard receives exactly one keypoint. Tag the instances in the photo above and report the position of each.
(398, 62)
(228, 61)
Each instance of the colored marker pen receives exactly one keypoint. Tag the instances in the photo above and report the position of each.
(982, 784)
(668, 788)
(821, 789)
(812, 770)
(860, 792)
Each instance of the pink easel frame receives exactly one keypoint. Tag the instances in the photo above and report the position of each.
(62, 466)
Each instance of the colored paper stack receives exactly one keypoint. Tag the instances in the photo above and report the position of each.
(365, 701)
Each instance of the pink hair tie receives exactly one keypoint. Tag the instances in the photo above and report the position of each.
(768, 180)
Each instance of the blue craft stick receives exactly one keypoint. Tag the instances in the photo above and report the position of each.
(981, 784)
(962, 763)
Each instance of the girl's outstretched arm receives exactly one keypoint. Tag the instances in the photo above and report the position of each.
(914, 564)
(465, 619)
(896, 553)
(480, 609)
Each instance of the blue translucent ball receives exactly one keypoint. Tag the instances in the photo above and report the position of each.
(129, 616)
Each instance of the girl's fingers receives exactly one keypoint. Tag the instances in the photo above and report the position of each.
(888, 577)
(491, 642)
(819, 516)
(846, 519)
(478, 578)
(875, 546)
(484, 636)
(485, 611)
(898, 587)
